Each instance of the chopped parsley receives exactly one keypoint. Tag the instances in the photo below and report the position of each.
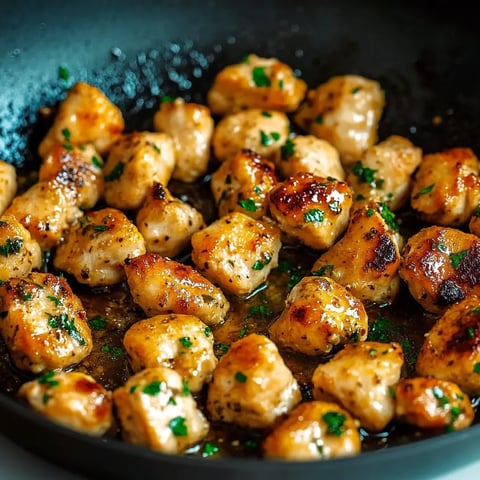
(185, 341)
(11, 246)
(97, 162)
(440, 247)
(248, 204)
(370, 212)
(114, 352)
(221, 348)
(323, 271)
(48, 379)
(207, 331)
(456, 258)
(388, 216)
(281, 84)
(476, 213)
(314, 215)
(259, 264)
(243, 331)
(209, 449)
(178, 427)
(116, 173)
(319, 120)
(335, 423)
(63, 73)
(66, 134)
(240, 377)
(153, 388)
(266, 114)
(258, 311)
(425, 190)
(167, 99)
(26, 297)
(476, 368)
(68, 325)
(185, 388)
(260, 78)
(364, 174)
(355, 90)
(97, 322)
(157, 150)
(438, 393)
(266, 139)
(288, 149)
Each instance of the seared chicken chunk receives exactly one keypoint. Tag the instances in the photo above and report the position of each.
(161, 285)
(167, 223)
(441, 266)
(366, 259)
(73, 399)
(307, 153)
(360, 377)
(319, 315)
(311, 210)
(44, 325)
(46, 210)
(384, 172)
(252, 387)
(85, 116)
(97, 247)
(19, 252)
(236, 252)
(446, 187)
(8, 185)
(256, 83)
(78, 167)
(345, 111)
(264, 132)
(191, 127)
(181, 342)
(451, 348)
(241, 184)
(432, 403)
(137, 160)
(157, 411)
(314, 431)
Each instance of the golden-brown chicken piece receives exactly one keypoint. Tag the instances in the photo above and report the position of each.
(241, 184)
(345, 111)
(366, 259)
(446, 187)
(191, 127)
(137, 160)
(236, 252)
(384, 172)
(46, 210)
(157, 411)
(262, 131)
(97, 247)
(311, 210)
(256, 82)
(314, 431)
(181, 342)
(85, 116)
(44, 324)
(167, 223)
(441, 266)
(474, 224)
(19, 252)
(252, 387)
(450, 351)
(78, 167)
(8, 185)
(73, 399)
(360, 378)
(161, 285)
(319, 315)
(432, 403)
(307, 153)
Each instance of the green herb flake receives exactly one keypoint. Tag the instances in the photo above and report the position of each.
(171, 401)
(440, 396)
(323, 271)
(133, 389)
(456, 258)
(360, 197)
(153, 388)
(476, 368)
(425, 190)
(185, 341)
(372, 352)
(116, 173)
(257, 189)
(471, 332)
(240, 377)
(455, 412)
(97, 322)
(335, 423)
(207, 331)
(97, 162)
(319, 120)
(157, 150)
(45, 398)
(388, 216)
(355, 90)
(221, 348)
(246, 58)
(63, 73)
(266, 114)
(12, 246)
(178, 427)
(259, 264)
(68, 325)
(440, 247)
(26, 297)
(475, 310)
(67, 146)
(260, 78)
(364, 174)
(251, 443)
(275, 136)
(99, 228)
(243, 331)
(281, 84)
(370, 212)
(209, 449)
(288, 149)
(114, 352)
(185, 388)
(56, 300)
(476, 213)
(391, 392)
(48, 379)
(313, 216)
(248, 204)
(66, 134)
(167, 99)
(258, 311)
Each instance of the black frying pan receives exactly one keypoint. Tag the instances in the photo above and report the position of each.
(423, 53)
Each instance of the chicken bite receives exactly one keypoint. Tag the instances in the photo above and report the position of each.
(97, 247)
(446, 187)
(46, 210)
(366, 259)
(242, 183)
(256, 82)
(181, 342)
(73, 399)
(307, 153)
(345, 111)
(311, 210)
(167, 223)
(8, 185)
(157, 411)
(44, 324)
(441, 266)
(314, 431)
(360, 378)
(319, 315)
(236, 252)
(137, 160)
(191, 127)
(262, 131)
(433, 404)
(161, 285)
(78, 167)
(19, 252)
(252, 387)
(384, 172)
(86, 115)
(450, 351)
